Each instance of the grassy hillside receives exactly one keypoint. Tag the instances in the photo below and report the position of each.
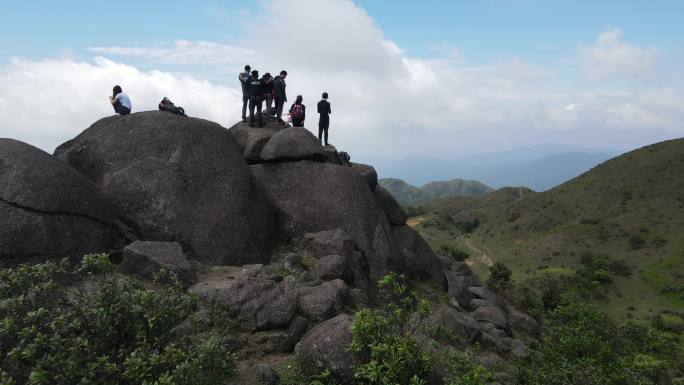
(411, 195)
(620, 224)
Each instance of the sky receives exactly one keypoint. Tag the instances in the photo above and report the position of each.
(441, 79)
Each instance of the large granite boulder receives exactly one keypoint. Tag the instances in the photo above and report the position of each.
(522, 322)
(329, 242)
(146, 258)
(293, 143)
(251, 140)
(179, 180)
(417, 258)
(492, 314)
(257, 303)
(47, 209)
(395, 214)
(323, 301)
(489, 296)
(325, 348)
(367, 172)
(312, 197)
(460, 277)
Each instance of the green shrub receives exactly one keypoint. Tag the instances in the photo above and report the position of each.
(582, 346)
(459, 369)
(387, 353)
(499, 277)
(453, 252)
(292, 374)
(56, 330)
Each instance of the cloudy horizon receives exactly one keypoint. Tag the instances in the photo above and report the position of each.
(392, 93)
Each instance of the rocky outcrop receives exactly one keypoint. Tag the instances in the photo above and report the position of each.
(313, 197)
(524, 323)
(329, 242)
(292, 143)
(325, 347)
(251, 140)
(460, 278)
(47, 209)
(367, 172)
(395, 214)
(145, 258)
(333, 267)
(417, 258)
(257, 303)
(323, 301)
(181, 180)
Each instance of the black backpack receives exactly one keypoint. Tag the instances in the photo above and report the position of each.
(167, 105)
(344, 158)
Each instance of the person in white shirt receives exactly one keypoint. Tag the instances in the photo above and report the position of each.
(120, 101)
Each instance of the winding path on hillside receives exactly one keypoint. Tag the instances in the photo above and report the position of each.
(483, 258)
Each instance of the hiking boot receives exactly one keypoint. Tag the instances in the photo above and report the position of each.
(244, 119)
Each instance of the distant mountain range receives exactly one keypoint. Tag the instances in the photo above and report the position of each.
(407, 194)
(540, 167)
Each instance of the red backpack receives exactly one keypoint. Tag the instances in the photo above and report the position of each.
(297, 112)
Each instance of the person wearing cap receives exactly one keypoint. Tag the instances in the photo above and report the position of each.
(245, 79)
(267, 89)
(324, 120)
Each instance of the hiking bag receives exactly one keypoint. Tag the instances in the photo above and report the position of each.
(344, 158)
(297, 113)
(167, 105)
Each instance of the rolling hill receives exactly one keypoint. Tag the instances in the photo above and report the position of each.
(407, 194)
(627, 212)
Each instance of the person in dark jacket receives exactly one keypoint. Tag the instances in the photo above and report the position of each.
(267, 90)
(245, 78)
(120, 101)
(298, 112)
(256, 96)
(324, 120)
(279, 94)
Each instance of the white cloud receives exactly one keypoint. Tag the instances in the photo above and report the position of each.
(384, 102)
(610, 57)
(48, 102)
(183, 52)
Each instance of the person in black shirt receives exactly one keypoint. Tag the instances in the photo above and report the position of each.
(324, 120)
(256, 96)
(298, 112)
(279, 93)
(244, 82)
(267, 90)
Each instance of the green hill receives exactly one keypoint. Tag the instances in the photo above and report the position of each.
(407, 194)
(622, 220)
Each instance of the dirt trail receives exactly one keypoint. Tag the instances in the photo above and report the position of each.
(483, 258)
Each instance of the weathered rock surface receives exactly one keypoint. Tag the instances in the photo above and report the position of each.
(456, 328)
(313, 197)
(146, 258)
(333, 267)
(522, 322)
(492, 314)
(257, 303)
(323, 301)
(293, 263)
(329, 242)
(458, 287)
(292, 143)
(489, 296)
(181, 180)
(325, 347)
(47, 209)
(395, 214)
(367, 172)
(417, 258)
(251, 140)
(331, 155)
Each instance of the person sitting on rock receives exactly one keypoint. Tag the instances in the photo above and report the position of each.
(324, 120)
(279, 95)
(267, 85)
(120, 101)
(245, 78)
(298, 112)
(256, 96)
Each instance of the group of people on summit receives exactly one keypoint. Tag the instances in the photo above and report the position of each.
(255, 91)
(271, 90)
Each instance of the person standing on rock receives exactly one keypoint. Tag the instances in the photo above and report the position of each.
(279, 94)
(245, 78)
(267, 89)
(298, 112)
(120, 101)
(256, 96)
(324, 120)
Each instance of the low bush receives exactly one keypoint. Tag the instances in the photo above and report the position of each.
(499, 277)
(88, 326)
(453, 252)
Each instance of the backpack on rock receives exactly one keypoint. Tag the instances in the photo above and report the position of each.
(167, 105)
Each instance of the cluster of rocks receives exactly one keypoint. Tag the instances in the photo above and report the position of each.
(263, 223)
